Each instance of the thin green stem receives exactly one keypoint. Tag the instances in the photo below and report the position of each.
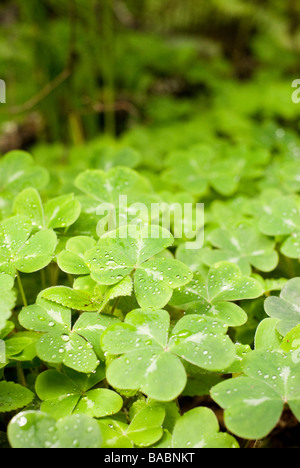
(43, 279)
(115, 305)
(22, 292)
(20, 374)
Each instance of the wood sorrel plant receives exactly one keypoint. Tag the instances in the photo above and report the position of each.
(107, 331)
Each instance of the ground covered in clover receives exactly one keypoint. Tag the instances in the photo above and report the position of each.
(147, 334)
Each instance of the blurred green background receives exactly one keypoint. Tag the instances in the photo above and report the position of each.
(80, 70)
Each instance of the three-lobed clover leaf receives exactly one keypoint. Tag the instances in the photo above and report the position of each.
(114, 193)
(106, 187)
(35, 429)
(76, 346)
(198, 169)
(199, 428)
(59, 212)
(213, 296)
(254, 403)
(129, 252)
(73, 393)
(7, 298)
(145, 428)
(284, 220)
(21, 251)
(150, 360)
(285, 308)
(71, 259)
(244, 246)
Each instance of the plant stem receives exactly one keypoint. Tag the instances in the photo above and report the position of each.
(21, 376)
(115, 305)
(43, 279)
(21, 290)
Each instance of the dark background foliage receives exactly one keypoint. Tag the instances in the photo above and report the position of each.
(77, 69)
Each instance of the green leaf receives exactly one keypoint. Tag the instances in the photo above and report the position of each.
(284, 219)
(128, 252)
(291, 342)
(72, 298)
(244, 246)
(286, 307)
(107, 186)
(59, 212)
(68, 348)
(37, 252)
(266, 335)
(142, 340)
(61, 343)
(21, 346)
(86, 300)
(45, 316)
(114, 433)
(196, 169)
(92, 326)
(17, 172)
(34, 429)
(211, 296)
(28, 203)
(20, 251)
(253, 404)
(122, 289)
(199, 428)
(13, 396)
(150, 362)
(146, 427)
(144, 430)
(65, 394)
(71, 260)
(203, 342)
(7, 298)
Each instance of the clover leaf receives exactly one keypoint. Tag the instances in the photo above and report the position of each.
(72, 298)
(213, 295)
(35, 429)
(59, 212)
(71, 259)
(286, 307)
(17, 172)
(146, 426)
(254, 403)
(103, 190)
(7, 298)
(62, 343)
(199, 428)
(82, 300)
(22, 252)
(13, 396)
(68, 393)
(267, 336)
(284, 219)
(244, 246)
(21, 346)
(198, 168)
(147, 352)
(128, 253)
(107, 186)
